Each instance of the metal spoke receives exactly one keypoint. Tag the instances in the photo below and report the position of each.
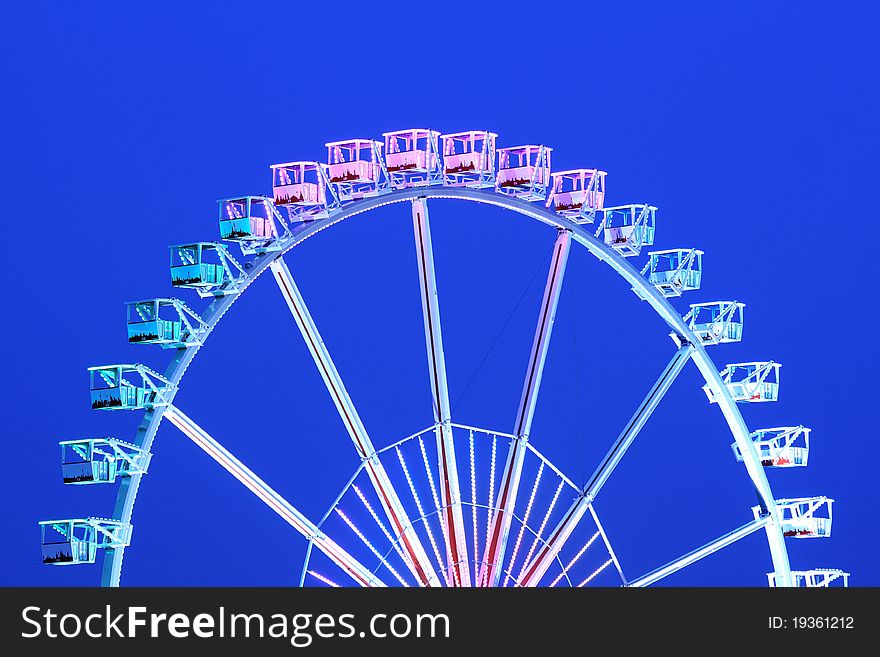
(699, 553)
(510, 478)
(543, 560)
(450, 494)
(271, 498)
(418, 560)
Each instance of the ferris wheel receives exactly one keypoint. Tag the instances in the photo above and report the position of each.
(452, 504)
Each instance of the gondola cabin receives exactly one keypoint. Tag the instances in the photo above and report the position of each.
(524, 171)
(76, 541)
(87, 462)
(815, 578)
(469, 158)
(100, 460)
(577, 194)
(749, 382)
(196, 266)
(627, 228)
(126, 387)
(247, 219)
(412, 157)
(67, 542)
(716, 322)
(297, 183)
(780, 447)
(805, 517)
(356, 168)
(146, 325)
(675, 271)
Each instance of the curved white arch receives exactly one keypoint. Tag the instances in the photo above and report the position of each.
(125, 500)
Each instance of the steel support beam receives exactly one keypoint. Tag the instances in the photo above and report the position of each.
(417, 559)
(450, 494)
(699, 553)
(556, 541)
(271, 498)
(510, 478)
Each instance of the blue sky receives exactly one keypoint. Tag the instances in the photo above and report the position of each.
(751, 126)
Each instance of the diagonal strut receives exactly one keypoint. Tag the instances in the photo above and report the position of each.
(271, 498)
(417, 558)
(510, 478)
(556, 541)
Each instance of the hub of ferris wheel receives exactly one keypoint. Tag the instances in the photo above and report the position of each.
(358, 169)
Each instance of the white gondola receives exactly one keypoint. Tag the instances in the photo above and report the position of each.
(716, 322)
(577, 194)
(627, 228)
(803, 517)
(780, 447)
(815, 578)
(749, 382)
(674, 271)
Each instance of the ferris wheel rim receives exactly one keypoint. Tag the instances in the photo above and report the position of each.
(127, 494)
